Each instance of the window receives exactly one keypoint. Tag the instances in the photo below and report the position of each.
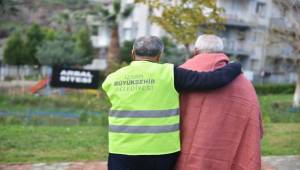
(261, 9)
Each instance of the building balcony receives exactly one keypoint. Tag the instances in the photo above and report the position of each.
(295, 3)
(282, 24)
(236, 21)
(280, 50)
(236, 48)
(278, 24)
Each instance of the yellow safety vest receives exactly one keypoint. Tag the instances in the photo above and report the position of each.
(144, 117)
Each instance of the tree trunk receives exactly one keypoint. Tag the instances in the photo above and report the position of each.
(19, 77)
(296, 102)
(68, 28)
(113, 57)
(40, 72)
(188, 53)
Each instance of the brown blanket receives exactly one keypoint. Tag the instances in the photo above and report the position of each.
(220, 129)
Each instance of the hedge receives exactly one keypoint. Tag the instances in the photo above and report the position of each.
(274, 89)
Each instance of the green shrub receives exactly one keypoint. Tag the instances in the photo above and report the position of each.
(275, 89)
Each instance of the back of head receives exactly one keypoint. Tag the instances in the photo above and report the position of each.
(209, 43)
(148, 46)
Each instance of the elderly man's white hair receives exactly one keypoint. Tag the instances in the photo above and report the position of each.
(209, 43)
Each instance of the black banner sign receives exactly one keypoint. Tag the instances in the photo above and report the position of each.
(75, 78)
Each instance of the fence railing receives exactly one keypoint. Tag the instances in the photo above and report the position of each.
(13, 72)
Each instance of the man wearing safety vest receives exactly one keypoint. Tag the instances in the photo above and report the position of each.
(144, 116)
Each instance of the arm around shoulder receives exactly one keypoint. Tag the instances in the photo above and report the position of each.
(193, 80)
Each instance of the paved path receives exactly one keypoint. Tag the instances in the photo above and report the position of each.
(56, 166)
(281, 162)
(269, 163)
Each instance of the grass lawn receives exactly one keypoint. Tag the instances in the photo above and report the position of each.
(74, 143)
(26, 143)
(52, 144)
(281, 139)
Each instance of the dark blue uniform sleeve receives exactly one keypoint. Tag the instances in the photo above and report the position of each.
(188, 80)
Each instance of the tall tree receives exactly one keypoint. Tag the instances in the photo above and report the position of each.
(63, 50)
(84, 45)
(112, 16)
(14, 52)
(34, 37)
(291, 36)
(184, 19)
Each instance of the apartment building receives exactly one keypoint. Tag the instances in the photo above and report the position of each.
(134, 26)
(280, 54)
(250, 36)
(246, 37)
(246, 31)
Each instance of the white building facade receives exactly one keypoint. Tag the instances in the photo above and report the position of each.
(246, 32)
(134, 26)
(246, 37)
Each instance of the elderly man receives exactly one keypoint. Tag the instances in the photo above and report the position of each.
(220, 129)
(144, 120)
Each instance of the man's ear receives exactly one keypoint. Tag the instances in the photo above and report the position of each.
(158, 58)
(132, 55)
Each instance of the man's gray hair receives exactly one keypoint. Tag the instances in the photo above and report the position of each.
(148, 46)
(209, 43)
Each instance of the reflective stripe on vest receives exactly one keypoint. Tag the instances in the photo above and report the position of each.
(144, 129)
(144, 113)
